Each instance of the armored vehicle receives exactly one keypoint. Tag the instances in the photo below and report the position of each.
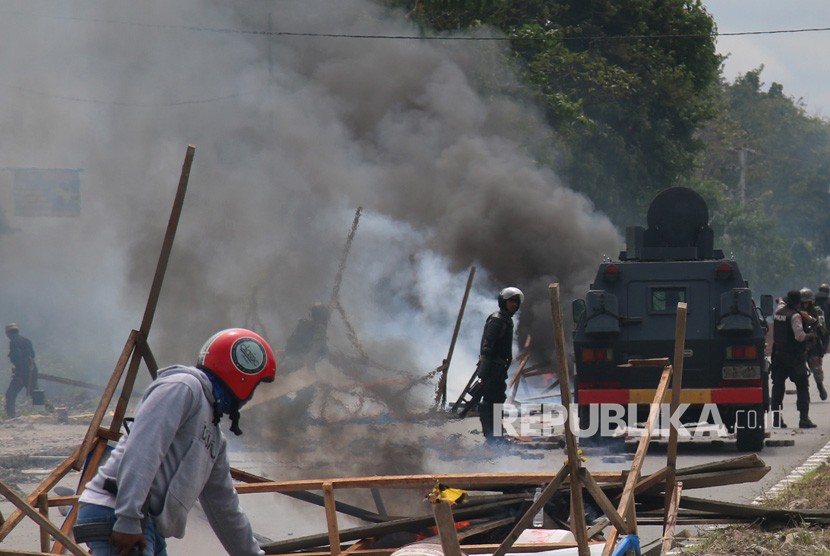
(630, 312)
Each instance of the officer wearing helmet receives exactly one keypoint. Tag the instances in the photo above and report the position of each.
(813, 318)
(495, 356)
(823, 300)
(175, 453)
(789, 360)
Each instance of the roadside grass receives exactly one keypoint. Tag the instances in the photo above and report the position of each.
(811, 492)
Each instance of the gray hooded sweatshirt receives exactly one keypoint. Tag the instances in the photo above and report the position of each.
(173, 455)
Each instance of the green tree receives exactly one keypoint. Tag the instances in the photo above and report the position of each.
(625, 84)
(773, 159)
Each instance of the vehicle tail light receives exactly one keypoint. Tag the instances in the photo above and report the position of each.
(612, 273)
(597, 354)
(742, 352)
(724, 271)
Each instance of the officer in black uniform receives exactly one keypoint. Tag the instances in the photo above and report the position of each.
(789, 360)
(495, 356)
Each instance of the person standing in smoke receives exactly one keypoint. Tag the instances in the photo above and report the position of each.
(789, 360)
(24, 369)
(495, 357)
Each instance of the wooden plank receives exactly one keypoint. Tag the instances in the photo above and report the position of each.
(602, 500)
(740, 462)
(94, 460)
(466, 481)
(412, 524)
(627, 499)
(446, 528)
(167, 243)
(442, 389)
(331, 519)
(33, 514)
(527, 518)
(43, 508)
(106, 398)
(578, 526)
(677, 382)
(54, 477)
(670, 519)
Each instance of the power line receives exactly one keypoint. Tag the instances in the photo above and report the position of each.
(267, 33)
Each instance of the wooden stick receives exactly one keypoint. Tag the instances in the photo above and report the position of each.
(43, 508)
(167, 244)
(27, 509)
(446, 528)
(331, 519)
(601, 499)
(106, 398)
(54, 477)
(670, 518)
(677, 384)
(578, 526)
(627, 501)
(443, 380)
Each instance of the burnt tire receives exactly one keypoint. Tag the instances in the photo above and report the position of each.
(749, 429)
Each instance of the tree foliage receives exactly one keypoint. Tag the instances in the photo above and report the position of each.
(635, 93)
(626, 84)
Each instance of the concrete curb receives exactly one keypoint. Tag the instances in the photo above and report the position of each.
(811, 463)
(814, 461)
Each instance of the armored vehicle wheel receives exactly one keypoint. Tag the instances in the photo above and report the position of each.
(749, 429)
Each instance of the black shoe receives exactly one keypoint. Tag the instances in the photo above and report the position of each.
(806, 424)
(778, 422)
(822, 393)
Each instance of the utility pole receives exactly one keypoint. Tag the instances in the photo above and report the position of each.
(742, 179)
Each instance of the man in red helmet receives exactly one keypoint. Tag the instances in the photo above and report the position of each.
(175, 453)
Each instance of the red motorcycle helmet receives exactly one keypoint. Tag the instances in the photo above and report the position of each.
(240, 358)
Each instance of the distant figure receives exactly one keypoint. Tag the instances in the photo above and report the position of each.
(495, 356)
(308, 343)
(789, 360)
(813, 318)
(24, 369)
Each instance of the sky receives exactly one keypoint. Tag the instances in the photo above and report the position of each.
(795, 60)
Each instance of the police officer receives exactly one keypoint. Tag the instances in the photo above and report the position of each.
(789, 360)
(495, 356)
(813, 319)
(823, 298)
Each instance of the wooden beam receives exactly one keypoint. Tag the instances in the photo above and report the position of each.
(331, 519)
(671, 517)
(446, 528)
(33, 514)
(106, 398)
(442, 390)
(54, 478)
(578, 526)
(677, 384)
(466, 481)
(411, 524)
(43, 508)
(627, 500)
(602, 500)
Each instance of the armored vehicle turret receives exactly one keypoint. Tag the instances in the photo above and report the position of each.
(630, 312)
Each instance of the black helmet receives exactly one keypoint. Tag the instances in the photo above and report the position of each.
(793, 298)
(806, 294)
(510, 293)
(824, 288)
